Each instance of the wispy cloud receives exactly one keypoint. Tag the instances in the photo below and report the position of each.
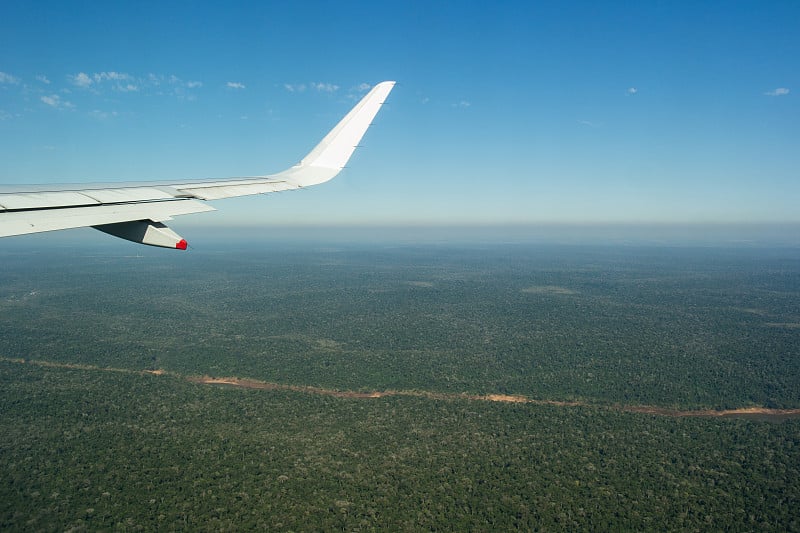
(102, 115)
(128, 83)
(356, 92)
(324, 87)
(43, 79)
(314, 86)
(116, 76)
(589, 123)
(119, 81)
(81, 79)
(632, 90)
(780, 91)
(8, 78)
(234, 85)
(55, 101)
(462, 104)
(171, 84)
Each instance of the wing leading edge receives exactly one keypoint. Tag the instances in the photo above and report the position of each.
(136, 212)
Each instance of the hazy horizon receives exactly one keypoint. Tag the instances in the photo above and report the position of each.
(211, 237)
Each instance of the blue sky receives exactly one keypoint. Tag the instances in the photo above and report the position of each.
(505, 113)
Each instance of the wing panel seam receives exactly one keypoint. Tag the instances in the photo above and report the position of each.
(53, 208)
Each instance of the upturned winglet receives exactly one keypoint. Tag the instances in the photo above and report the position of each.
(338, 145)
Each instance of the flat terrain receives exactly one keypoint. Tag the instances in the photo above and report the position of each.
(432, 387)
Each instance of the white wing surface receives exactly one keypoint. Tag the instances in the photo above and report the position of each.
(137, 211)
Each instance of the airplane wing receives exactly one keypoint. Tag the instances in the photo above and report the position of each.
(136, 212)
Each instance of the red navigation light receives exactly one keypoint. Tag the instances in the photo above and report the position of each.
(181, 244)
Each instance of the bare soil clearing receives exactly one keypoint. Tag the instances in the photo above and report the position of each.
(744, 412)
(753, 412)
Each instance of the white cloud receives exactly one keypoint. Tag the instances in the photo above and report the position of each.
(156, 80)
(780, 91)
(8, 78)
(43, 79)
(81, 79)
(55, 101)
(127, 83)
(588, 123)
(314, 86)
(122, 82)
(102, 115)
(632, 90)
(462, 103)
(115, 76)
(325, 87)
(364, 87)
(4, 115)
(235, 85)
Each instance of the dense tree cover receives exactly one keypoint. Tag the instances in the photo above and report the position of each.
(673, 327)
(99, 449)
(108, 450)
